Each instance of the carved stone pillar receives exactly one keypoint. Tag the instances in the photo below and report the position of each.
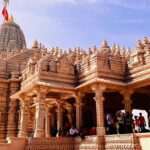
(59, 118)
(47, 123)
(23, 129)
(79, 106)
(127, 100)
(99, 98)
(3, 116)
(4, 88)
(40, 115)
(12, 112)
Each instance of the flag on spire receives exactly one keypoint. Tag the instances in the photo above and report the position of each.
(6, 2)
(5, 13)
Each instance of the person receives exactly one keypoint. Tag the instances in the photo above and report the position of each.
(149, 118)
(73, 131)
(142, 122)
(110, 123)
(82, 134)
(128, 123)
(54, 131)
(120, 120)
(93, 131)
(67, 127)
(136, 124)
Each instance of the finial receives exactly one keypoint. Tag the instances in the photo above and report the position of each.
(6, 2)
(123, 51)
(117, 53)
(79, 50)
(128, 53)
(104, 44)
(57, 48)
(60, 52)
(95, 49)
(65, 53)
(139, 45)
(145, 41)
(11, 19)
(89, 51)
(75, 50)
(70, 50)
(35, 44)
(113, 46)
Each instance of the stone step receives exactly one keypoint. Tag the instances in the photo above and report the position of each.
(3, 141)
(89, 143)
(124, 141)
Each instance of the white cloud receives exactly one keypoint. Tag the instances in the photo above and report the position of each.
(66, 1)
(132, 4)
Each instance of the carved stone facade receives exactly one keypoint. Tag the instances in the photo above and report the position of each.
(40, 87)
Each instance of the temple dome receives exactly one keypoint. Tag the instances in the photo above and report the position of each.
(11, 37)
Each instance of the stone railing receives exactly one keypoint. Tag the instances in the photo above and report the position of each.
(126, 142)
(50, 144)
(62, 143)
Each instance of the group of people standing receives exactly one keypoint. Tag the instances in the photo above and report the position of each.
(124, 123)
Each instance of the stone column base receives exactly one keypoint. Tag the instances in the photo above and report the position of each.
(101, 142)
(39, 133)
(23, 134)
(100, 131)
(11, 131)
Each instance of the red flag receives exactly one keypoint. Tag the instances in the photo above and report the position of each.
(5, 13)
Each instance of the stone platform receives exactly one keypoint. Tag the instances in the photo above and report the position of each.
(112, 142)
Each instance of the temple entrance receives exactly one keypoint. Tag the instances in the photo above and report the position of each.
(141, 104)
(113, 102)
(89, 113)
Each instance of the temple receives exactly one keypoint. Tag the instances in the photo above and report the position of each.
(40, 87)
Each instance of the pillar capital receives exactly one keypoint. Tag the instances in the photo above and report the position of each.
(79, 104)
(126, 92)
(127, 101)
(98, 88)
(24, 97)
(41, 90)
(78, 95)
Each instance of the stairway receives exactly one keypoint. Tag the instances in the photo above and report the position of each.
(122, 142)
(89, 143)
(3, 141)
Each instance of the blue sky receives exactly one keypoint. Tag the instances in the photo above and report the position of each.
(84, 23)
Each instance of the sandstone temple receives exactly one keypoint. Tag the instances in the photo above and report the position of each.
(39, 87)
